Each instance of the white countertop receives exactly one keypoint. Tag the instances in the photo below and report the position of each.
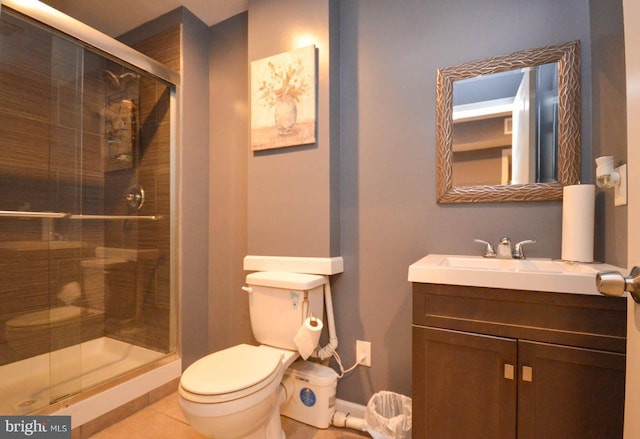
(535, 274)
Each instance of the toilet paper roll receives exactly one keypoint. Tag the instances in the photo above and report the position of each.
(308, 336)
(578, 204)
(70, 293)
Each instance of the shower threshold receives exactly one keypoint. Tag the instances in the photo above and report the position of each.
(35, 383)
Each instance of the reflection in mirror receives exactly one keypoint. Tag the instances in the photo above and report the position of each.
(499, 130)
(508, 127)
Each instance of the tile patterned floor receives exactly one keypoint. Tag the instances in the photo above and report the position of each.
(165, 420)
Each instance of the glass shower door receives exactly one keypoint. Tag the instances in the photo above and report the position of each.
(85, 199)
(39, 138)
(65, 242)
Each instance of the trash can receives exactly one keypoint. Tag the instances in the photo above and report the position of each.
(388, 416)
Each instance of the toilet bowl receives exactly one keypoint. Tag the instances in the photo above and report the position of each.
(45, 330)
(236, 392)
(36, 332)
(110, 288)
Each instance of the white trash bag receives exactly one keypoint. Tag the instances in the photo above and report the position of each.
(388, 416)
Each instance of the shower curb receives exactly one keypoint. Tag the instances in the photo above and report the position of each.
(106, 420)
(93, 425)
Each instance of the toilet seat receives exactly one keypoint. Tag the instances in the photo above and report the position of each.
(231, 374)
(45, 317)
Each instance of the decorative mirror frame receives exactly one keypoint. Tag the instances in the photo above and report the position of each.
(567, 56)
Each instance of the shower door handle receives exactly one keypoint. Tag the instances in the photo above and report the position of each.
(24, 214)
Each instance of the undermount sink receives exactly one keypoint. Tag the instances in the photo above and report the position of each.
(535, 274)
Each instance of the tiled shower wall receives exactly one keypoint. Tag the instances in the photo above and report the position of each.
(153, 174)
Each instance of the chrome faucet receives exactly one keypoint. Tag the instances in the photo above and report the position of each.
(504, 249)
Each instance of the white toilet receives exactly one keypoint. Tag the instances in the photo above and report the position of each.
(41, 331)
(236, 392)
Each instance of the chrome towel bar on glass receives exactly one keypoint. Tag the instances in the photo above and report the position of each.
(21, 214)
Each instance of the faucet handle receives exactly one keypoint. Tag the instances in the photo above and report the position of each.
(488, 251)
(518, 250)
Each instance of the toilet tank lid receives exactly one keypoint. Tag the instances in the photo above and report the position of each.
(285, 280)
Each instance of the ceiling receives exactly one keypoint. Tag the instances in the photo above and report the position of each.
(115, 17)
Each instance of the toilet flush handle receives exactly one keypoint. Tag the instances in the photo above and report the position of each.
(248, 289)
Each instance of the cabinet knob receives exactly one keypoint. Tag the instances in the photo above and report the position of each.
(509, 371)
(527, 374)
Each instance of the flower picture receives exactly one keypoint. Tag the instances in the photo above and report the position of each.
(283, 100)
(283, 82)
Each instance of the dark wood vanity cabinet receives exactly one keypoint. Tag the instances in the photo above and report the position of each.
(492, 363)
(458, 385)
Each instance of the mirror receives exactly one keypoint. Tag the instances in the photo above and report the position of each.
(508, 127)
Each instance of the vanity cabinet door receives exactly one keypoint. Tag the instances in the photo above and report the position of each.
(463, 385)
(569, 393)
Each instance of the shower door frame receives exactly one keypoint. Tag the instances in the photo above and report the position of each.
(149, 377)
(86, 34)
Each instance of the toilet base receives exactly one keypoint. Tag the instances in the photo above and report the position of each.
(274, 429)
(265, 415)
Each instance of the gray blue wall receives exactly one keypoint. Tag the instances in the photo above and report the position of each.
(366, 190)
(391, 54)
(391, 51)
(293, 192)
(607, 99)
(388, 54)
(229, 127)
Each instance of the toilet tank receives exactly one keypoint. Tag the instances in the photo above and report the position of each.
(279, 302)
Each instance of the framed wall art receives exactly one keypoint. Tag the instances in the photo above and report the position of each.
(283, 100)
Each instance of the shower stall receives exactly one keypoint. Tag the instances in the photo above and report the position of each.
(86, 211)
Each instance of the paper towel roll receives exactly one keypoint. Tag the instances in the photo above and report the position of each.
(578, 204)
(308, 336)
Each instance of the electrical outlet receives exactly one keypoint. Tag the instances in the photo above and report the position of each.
(363, 353)
(620, 191)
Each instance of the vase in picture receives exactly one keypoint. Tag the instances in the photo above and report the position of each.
(285, 114)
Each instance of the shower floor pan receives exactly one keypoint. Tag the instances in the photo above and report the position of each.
(37, 382)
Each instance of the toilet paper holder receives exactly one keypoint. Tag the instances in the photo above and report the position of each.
(613, 283)
(314, 321)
